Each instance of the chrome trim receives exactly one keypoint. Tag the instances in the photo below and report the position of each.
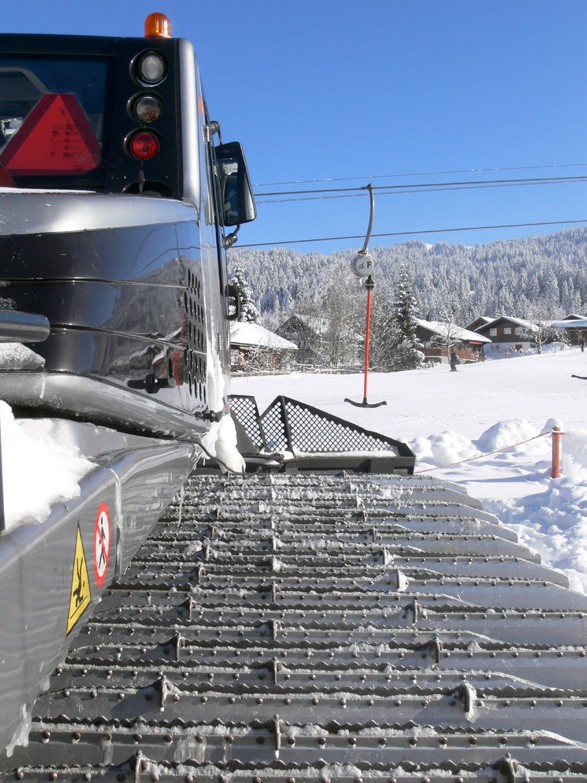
(101, 402)
(23, 327)
(54, 212)
(190, 123)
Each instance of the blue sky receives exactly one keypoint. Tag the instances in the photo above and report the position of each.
(392, 92)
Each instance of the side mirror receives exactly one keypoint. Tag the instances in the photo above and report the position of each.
(236, 194)
(233, 302)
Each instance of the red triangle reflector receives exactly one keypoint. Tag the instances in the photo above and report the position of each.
(55, 138)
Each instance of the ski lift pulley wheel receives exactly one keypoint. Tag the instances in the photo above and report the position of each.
(362, 264)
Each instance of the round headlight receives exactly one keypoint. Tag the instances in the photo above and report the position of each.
(144, 145)
(146, 108)
(151, 68)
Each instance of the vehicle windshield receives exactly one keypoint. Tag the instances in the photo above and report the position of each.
(52, 121)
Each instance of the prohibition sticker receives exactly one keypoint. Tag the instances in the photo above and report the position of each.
(102, 538)
(80, 597)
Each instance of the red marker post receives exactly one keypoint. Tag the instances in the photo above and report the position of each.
(557, 451)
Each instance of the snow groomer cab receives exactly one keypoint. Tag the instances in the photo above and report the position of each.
(117, 199)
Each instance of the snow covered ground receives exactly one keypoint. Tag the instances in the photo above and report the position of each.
(481, 409)
(493, 411)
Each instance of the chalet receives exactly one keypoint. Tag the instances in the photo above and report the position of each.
(252, 347)
(307, 333)
(574, 327)
(508, 335)
(480, 321)
(438, 338)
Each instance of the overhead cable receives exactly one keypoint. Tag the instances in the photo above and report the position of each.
(579, 221)
(430, 186)
(420, 189)
(424, 174)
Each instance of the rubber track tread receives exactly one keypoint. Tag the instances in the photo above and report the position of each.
(340, 629)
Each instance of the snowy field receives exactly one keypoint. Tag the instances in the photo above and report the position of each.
(494, 411)
(487, 418)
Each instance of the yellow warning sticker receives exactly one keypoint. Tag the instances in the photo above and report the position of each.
(80, 597)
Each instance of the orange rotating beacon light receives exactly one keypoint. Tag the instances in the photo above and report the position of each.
(157, 26)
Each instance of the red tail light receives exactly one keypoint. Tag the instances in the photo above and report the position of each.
(144, 145)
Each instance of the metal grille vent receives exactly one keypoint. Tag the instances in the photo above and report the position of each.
(194, 331)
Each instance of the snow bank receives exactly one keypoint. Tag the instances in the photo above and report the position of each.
(554, 523)
(486, 427)
(40, 468)
(505, 433)
(550, 515)
(444, 449)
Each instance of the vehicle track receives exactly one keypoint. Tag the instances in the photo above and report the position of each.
(335, 628)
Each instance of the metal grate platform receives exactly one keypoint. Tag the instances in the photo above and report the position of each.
(318, 440)
(245, 412)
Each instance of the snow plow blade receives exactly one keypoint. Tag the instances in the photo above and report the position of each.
(292, 436)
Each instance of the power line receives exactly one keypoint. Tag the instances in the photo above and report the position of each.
(424, 174)
(421, 231)
(430, 186)
(398, 191)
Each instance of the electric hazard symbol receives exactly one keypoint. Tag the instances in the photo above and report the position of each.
(80, 597)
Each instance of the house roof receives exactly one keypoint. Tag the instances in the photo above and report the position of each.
(480, 321)
(244, 334)
(576, 323)
(531, 327)
(315, 323)
(451, 330)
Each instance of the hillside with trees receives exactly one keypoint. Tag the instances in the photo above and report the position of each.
(531, 278)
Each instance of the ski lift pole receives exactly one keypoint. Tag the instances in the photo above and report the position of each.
(369, 285)
(362, 266)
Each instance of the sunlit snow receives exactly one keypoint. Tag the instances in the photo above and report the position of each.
(495, 420)
(487, 427)
(39, 467)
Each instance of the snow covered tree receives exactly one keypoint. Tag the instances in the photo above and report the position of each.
(387, 345)
(406, 306)
(451, 331)
(383, 328)
(405, 312)
(398, 348)
(542, 332)
(342, 307)
(507, 277)
(248, 310)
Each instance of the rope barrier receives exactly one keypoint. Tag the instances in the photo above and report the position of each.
(482, 456)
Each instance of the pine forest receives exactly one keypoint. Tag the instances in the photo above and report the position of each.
(530, 278)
